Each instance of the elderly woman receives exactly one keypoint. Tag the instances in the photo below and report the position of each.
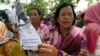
(66, 39)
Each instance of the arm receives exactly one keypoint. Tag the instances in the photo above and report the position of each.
(50, 50)
(83, 50)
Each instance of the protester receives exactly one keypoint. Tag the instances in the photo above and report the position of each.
(66, 39)
(92, 31)
(80, 17)
(12, 31)
(35, 18)
(8, 47)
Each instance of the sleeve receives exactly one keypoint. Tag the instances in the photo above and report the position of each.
(84, 43)
(14, 49)
(83, 50)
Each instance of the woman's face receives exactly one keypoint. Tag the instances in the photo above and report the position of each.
(66, 17)
(34, 16)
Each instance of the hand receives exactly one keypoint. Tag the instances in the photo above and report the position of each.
(47, 50)
(82, 53)
(15, 31)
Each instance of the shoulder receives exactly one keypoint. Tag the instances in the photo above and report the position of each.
(43, 25)
(75, 30)
(92, 29)
(13, 48)
(92, 26)
(12, 44)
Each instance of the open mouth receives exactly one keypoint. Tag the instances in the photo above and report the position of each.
(66, 22)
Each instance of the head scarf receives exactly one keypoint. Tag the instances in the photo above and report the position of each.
(3, 30)
(92, 19)
(92, 14)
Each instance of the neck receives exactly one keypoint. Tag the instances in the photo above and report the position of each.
(64, 30)
(36, 25)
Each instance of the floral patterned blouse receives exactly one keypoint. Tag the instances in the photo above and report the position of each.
(11, 49)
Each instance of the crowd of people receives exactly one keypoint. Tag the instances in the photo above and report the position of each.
(63, 36)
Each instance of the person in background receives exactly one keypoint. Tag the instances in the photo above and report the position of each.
(92, 30)
(8, 47)
(47, 20)
(12, 31)
(66, 39)
(52, 24)
(80, 17)
(36, 19)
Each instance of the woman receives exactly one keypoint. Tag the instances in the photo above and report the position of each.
(92, 31)
(8, 47)
(66, 36)
(36, 18)
(12, 31)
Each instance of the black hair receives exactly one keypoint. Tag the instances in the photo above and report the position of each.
(4, 16)
(57, 12)
(39, 12)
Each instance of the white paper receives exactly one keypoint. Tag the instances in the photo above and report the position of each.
(29, 38)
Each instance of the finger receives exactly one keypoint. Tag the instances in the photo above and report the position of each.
(43, 50)
(45, 46)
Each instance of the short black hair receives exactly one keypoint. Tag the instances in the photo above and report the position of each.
(39, 12)
(58, 9)
(4, 16)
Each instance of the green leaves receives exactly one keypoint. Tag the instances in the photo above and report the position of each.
(2, 1)
(40, 4)
(77, 1)
(46, 5)
(98, 0)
